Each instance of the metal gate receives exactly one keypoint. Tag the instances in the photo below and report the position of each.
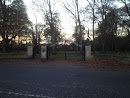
(66, 52)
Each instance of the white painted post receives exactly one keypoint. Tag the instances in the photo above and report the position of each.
(44, 52)
(87, 51)
(30, 51)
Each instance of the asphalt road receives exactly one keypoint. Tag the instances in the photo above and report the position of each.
(36, 79)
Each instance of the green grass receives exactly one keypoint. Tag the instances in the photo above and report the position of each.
(21, 54)
(119, 56)
(57, 56)
(13, 56)
(69, 55)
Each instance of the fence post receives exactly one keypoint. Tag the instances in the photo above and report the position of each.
(47, 53)
(65, 49)
(33, 53)
(84, 52)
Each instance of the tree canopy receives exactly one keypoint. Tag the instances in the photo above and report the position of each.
(13, 20)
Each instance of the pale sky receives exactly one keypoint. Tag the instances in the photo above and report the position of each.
(67, 22)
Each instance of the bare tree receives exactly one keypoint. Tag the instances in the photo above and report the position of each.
(74, 12)
(101, 7)
(47, 11)
(126, 6)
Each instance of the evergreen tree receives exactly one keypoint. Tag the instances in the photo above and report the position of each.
(19, 17)
(13, 21)
(4, 23)
(107, 30)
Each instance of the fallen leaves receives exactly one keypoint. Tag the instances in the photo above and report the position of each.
(94, 62)
(101, 63)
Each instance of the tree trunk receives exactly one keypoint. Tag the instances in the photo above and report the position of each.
(77, 48)
(4, 45)
(80, 32)
(52, 29)
(103, 47)
(18, 50)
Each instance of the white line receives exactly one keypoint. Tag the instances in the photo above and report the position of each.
(26, 95)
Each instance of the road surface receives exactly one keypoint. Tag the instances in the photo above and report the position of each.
(38, 79)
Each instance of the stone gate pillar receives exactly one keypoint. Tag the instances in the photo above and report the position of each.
(44, 52)
(30, 51)
(87, 51)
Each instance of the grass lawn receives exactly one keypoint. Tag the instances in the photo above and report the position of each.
(58, 55)
(69, 55)
(13, 55)
(120, 56)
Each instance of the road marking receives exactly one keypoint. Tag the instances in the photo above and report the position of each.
(25, 95)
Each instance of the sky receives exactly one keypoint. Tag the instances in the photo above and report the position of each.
(67, 22)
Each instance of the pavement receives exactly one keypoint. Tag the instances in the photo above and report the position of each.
(50, 79)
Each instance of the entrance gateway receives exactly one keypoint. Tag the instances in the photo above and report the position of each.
(66, 52)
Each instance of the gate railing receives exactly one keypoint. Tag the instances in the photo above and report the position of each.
(45, 51)
(65, 53)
